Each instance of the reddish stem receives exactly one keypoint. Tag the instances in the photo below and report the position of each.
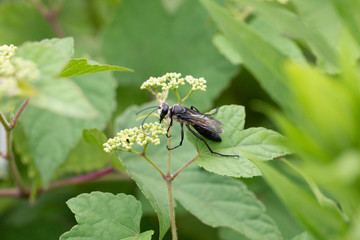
(13, 123)
(15, 192)
(183, 167)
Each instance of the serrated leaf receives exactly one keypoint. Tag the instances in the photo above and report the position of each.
(258, 143)
(52, 136)
(76, 67)
(173, 47)
(64, 44)
(106, 216)
(65, 98)
(49, 59)
(236, 207)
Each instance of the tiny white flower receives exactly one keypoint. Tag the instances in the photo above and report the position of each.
(126, 138)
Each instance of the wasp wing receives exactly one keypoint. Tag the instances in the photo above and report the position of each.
(202, 120)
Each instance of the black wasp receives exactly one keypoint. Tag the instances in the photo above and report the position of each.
(204, 124)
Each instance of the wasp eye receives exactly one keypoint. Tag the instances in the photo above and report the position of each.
(163, 111)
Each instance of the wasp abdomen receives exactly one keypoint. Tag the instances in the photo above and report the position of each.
(206, 133)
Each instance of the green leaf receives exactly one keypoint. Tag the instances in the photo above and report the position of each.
(61, 96)
(324, 222)
(252, 48)
(226, 49)
(249, 144)
(89, 155)
(290, 24)
(49, 59)
(236, 207)
(76, 67)
(277, 39)
(347, 9)
(229, 234)
(106, 216)
(52, 136)
(173, 47)
(303, 236)
(23, 148)
(64, 44)
(65, 98)
(84, 158)
(94, 137)
(152, 185)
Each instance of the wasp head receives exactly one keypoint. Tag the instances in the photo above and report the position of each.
(163, 111)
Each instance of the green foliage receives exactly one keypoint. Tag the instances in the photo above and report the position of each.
(76, 67)
(320, 111)
(249, 144)
(119, 218)
(303, 53)
(152, 33)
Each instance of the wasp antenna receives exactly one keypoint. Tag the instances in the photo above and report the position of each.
(147, 108)
(142, 124)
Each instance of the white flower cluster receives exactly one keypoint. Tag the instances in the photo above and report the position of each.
(166, 82)
(196, 83)
(173, 81)
(14, 70)
(126, 138)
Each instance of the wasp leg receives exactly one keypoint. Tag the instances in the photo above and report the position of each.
(207, 145)
(182, 138)
(194, 108)
(216, 110)
(170, 125)
(197, 110)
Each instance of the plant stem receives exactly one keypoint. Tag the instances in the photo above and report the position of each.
(168, 180)
(186, 97)
(4, 122)
(83, 178)
(171, 207)
(154, 165)
(178, 96)
(13, 168)
(50, 15)
(173, 176)
(169, 153)
(10, 155)
(13, 192)
(13, 123)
